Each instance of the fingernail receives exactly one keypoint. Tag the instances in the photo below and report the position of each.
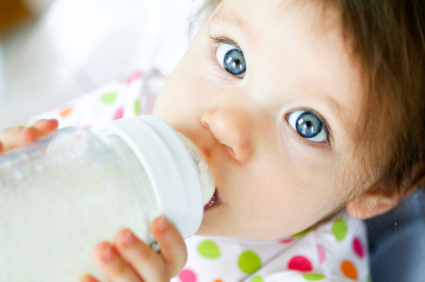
(107, 253)
(87, 278)
(128, 238)
(162, 224)
(91, 279)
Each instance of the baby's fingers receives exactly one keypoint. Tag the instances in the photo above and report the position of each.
(132, 260)
(45, 126)
(148, 264)
(18, 136)
(115, 267)
(173, 248)
(88, 278)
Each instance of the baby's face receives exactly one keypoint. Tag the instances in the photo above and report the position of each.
(270, 95)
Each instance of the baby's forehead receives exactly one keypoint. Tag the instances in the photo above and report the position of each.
(241, 12)
(275, 23)
(297, 47)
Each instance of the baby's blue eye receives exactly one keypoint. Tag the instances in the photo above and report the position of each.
(231, 59)
(308, 125)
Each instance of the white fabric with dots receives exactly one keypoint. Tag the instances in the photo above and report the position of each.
(333, 251)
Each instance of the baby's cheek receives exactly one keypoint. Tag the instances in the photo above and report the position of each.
(285, 205)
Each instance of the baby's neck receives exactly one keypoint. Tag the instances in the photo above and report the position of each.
(339, 210)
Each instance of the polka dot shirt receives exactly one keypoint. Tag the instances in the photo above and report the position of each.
(333, 251)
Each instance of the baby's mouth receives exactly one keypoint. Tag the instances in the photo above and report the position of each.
(213, 200)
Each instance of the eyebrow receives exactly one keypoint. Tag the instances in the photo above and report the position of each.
(337, 107)
(233, 19)
(219, 40)
(339, 111)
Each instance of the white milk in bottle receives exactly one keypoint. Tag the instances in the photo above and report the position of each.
(76, 187)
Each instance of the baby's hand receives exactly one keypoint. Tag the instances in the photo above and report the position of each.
(19, 136)
(131, 260)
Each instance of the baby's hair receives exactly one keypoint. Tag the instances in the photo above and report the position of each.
(387, 37)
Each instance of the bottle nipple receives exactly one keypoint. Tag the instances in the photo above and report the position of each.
(205, 174)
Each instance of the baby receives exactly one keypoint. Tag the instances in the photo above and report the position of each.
(309, 114)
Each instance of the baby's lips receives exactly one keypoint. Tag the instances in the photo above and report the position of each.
(212, 201)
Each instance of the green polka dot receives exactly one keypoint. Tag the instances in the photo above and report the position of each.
(369, 279)
(257, 278)
(313, 277)
(109, 98)
(249, 262)
(209, 249)
(339, 229)
(302, 233)
(136, 107)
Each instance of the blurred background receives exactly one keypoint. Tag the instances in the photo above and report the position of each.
(53, 51)
(17, 17)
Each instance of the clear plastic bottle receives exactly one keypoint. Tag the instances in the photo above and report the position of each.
(71, 189)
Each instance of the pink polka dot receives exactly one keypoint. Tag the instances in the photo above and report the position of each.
(133, 77)
(118, 114)
(187, 276)
(358, 247)
(300, 263)
(321, 250)
(286, 240)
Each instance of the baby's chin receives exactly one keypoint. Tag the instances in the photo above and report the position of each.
(215, 224)
(220, 221)
(215, 231)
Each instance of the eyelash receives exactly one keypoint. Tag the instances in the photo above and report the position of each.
(312, 144)
(215, 41)
(315, 146)
(212, 58)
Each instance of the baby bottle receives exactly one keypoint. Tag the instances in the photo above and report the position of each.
(76, 187)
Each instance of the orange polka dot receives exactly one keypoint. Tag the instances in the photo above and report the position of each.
(349, 270)
(218, 280)
(65, 111)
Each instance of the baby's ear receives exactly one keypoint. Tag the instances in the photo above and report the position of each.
(371, 204)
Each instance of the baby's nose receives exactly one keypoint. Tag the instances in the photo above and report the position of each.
(232, 128)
